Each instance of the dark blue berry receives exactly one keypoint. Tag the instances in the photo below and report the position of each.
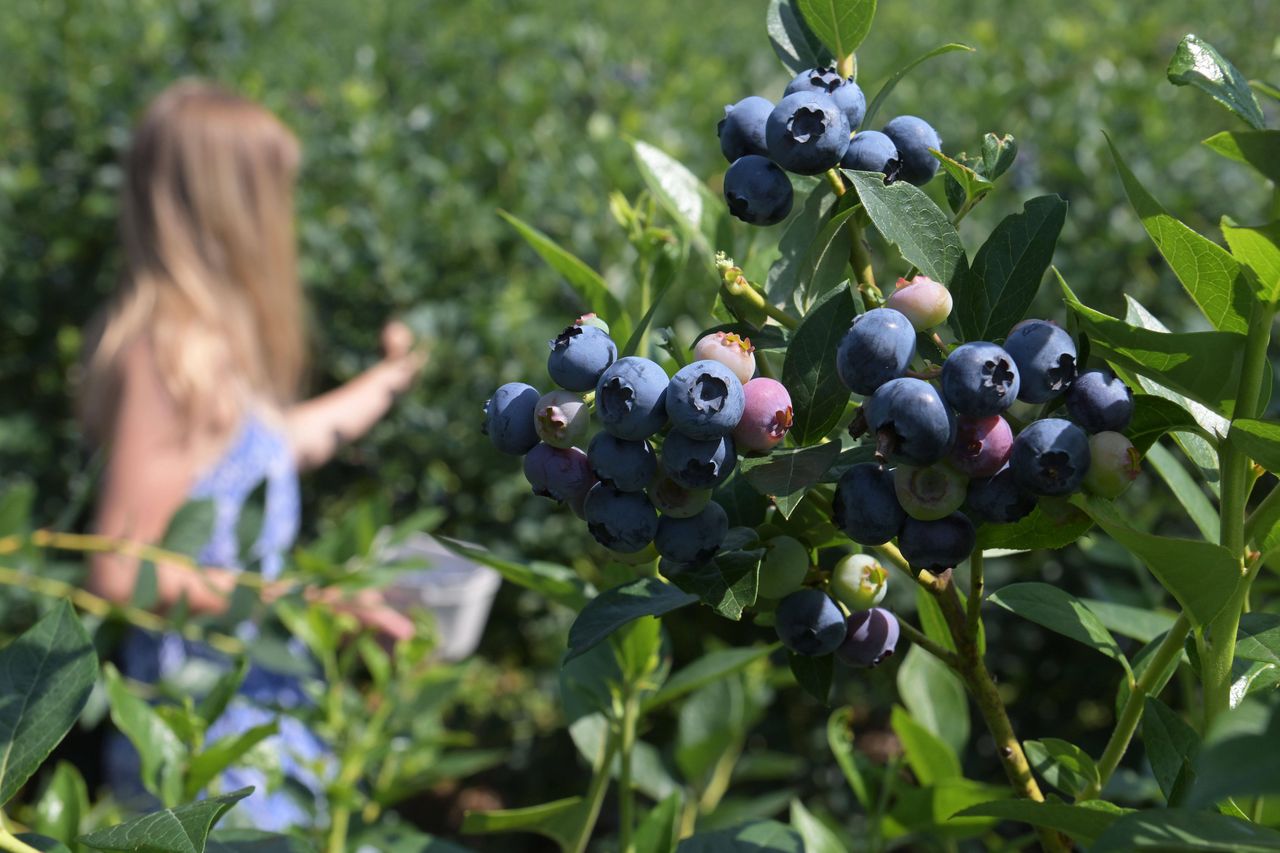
(696, 463)
(852, 102)
(705, 400)
(911, 423)
(937, 545)
(579, 355)
(913, 137)
(631, 398)
(998, 500)
(809, 623)
(757, 191)
(807, 133)
(870, 637)
(979, 380)
(741, 130)
(823, 80)
(1046, 359)
(620, 521)
(1100, 402)
(866, 505)
(1050, 457)
(628, 465)
(871, 151)
(695, 539)
(508, 418)
(878, 347)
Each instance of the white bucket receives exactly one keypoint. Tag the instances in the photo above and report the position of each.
(456, 590)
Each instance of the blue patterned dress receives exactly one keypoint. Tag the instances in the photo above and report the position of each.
(258, 453)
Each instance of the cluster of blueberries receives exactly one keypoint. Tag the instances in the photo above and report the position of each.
(631, 495)
(812, 129)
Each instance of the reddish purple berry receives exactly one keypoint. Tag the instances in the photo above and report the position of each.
(982, 446)
(870, 637)
(923, 301)
(767, 415)
(562, 474)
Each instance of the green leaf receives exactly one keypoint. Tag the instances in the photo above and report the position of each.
(63, 805)
(935, 696)
(1196, 63)
(1171, 746)
(710, 667)
(908, 218)
(971, 186)
(1186, 490)
(161, 750)
(826, 263)
(1141, 623)
(887, 87)
(190, 528)
(1210, 275)
(1154, 416)
(818, 397)
(1258, 248)
(785, 472)
(15, 508)
(561, 820)
(841, 24)
(727, 584)
(223, 691)
(813, 674)
(614, 608)
(761, 836)
(792, 40)
(1038, 530)
(1063, 765)
(1200, 575)
(1239, 765)
(43, 843)
(930, 758)
(710, 726)
(818, 838)
(787, 274)
(998, 154)
(684, 196)
(1259, 637)
(558, 583)
(1256, 148)
(254, 841)
(1006, 272)
(1259, 440)
(1185, 829)
(221, 754)
(840, 741)
(46, 675)
(1204, 366)
(1083, 823)
(660, 828)
(1061, 612)
(182, 829)
(931, 811)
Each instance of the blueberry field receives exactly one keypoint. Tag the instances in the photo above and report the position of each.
(822, 425)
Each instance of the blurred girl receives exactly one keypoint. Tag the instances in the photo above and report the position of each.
(193, 387)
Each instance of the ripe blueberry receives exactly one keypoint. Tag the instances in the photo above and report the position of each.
(998, 499)
(579, 355)
(870, 637)
(913, 138)
(562, 474)
(631, 398)
(1115, 464)
(561, 418)
(937, 545)
(705, 400)
(859, 582)
(807, 133)
(696, 463)
(979, 380)
(730, 349)
(911, 423)
(628, 466)
(871, 151)
(1100, 402)
(620, 521)
(923, 301)
(695, 539)
(1046, 359)
(824, 80)
(741, 130)
(786, 562)
(809, 623)
(758, 191)
(508, 418)
(767, 415)
(1050, 457)
(982, 446)
(865, 506)
(852, 102)
(878, 347)
(675, 500)
(930, 492)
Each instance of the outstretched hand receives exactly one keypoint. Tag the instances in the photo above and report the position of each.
(399, 355)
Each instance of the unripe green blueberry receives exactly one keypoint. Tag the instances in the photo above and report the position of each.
(561, 418)
(731, 350)
(671, 498)
(647, 554)
(786, 562)
(925, 302)
(929, 493)
(1114, 464)
(859, 582)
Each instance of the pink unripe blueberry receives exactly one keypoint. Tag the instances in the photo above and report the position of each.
(786, 562)
(1114, 464)
(561, 418)
(925, 302)
(767, 415)
(671, 498)
(982, 446)
(929, 493)
(731, 350)
(562, 474)
(859, 582)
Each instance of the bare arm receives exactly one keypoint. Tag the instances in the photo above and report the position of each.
(319, 426)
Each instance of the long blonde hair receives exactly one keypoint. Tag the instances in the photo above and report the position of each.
(210, 278)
